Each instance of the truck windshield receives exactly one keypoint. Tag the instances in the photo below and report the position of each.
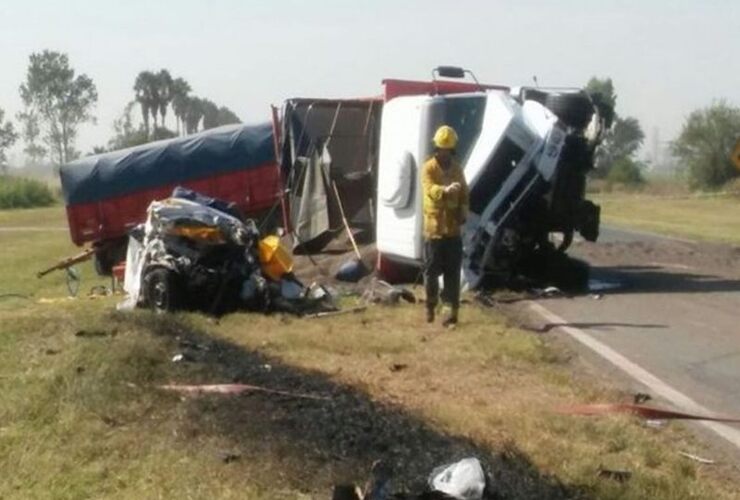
(465, 115)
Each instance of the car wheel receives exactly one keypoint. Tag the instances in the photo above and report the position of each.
(162, 290)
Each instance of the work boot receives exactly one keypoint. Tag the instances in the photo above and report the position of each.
(430, 314)
(451, 320)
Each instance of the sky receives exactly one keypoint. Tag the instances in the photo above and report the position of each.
(666, 57)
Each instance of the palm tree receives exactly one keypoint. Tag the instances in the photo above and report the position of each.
(210, 114)
(164, 92)
(194, 114)
(179, 93)
(145, 89)
(226, 116)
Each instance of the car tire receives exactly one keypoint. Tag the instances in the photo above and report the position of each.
(162, 290)
(575, 109)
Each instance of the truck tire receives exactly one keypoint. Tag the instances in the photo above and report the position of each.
(162, 290)
(109, 253)
(103, 264)
(575, 109)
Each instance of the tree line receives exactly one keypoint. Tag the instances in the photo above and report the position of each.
(703, 149)
(57, 101)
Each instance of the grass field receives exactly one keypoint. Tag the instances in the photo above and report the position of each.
(81, 415)
(709, 218)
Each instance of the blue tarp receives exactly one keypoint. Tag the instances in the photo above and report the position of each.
(173, 161)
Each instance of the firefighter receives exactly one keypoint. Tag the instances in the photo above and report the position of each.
(445, 209)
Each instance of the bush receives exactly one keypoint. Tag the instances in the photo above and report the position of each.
(17, 192)
(625, 171)
(705, 145)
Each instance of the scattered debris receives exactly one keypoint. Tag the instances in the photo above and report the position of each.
(641, 397)
(397, 367)
(187, 344)
(235, 389)
(463, 480)
(638, 410)
(99, 291)
(347, 492)
(656, 423)
(382, 292)
(548, 292)
(96, 333)
(182, 357)
(327, 314)
(619, 475)
(697, 458)
(228, 457)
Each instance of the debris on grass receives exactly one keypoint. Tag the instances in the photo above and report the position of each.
(696, 458)
(645, 412)
(656, 423)
(327, 314)
(235, 389)
(619, 475)
(228, 457)
(96, 333)
(463, 480)
(397, 367)
(641, 397)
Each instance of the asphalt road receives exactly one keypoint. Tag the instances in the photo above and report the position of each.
(674, 310)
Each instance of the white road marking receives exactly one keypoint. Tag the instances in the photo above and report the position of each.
(657, 386)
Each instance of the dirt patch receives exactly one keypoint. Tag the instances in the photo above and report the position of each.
(669, 254)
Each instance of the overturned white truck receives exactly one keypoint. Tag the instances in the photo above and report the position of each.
(525, 153)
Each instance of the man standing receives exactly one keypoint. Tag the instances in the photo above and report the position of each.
(445, 209)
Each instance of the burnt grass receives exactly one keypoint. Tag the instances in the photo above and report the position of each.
(313, 444)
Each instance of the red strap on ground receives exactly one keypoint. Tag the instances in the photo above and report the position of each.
(639, 410)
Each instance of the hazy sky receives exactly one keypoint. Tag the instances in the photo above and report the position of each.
(666, 57)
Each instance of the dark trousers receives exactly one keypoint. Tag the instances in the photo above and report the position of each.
(443, 256)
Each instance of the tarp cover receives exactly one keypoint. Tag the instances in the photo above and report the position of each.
(173, 161)
(327, 143)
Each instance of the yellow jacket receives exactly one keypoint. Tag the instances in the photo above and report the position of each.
(444, 213)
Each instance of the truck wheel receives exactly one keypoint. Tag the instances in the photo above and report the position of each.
(108, 254)
(575, 109)
(103, 264)
(162, 290)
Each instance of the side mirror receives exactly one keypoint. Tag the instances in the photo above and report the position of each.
(453, 72)
(450, 71)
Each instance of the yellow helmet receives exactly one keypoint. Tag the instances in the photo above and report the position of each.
(445, 137)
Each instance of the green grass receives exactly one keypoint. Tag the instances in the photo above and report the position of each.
(709, 218)
(81, 416)
(18, 192)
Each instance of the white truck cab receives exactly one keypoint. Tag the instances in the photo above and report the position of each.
(512, 153)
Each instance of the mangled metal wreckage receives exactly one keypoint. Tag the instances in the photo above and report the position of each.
(196, 253)
(525, 153)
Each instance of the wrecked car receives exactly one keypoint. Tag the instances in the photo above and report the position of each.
(525, 153)
(195, 253)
